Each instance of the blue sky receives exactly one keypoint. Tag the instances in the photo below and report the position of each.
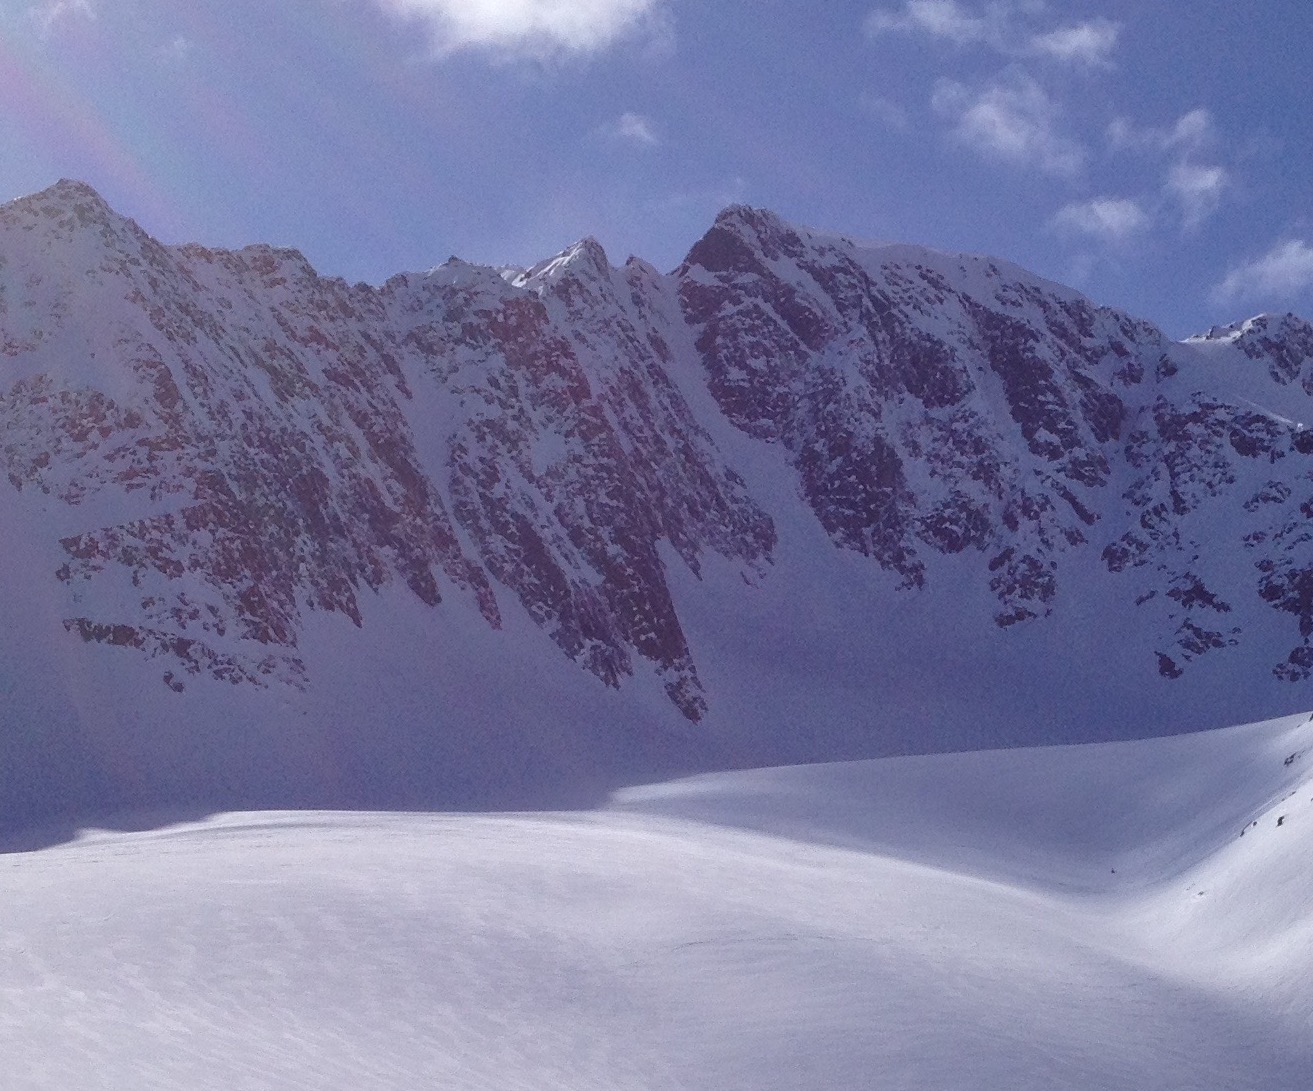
(1155, 154)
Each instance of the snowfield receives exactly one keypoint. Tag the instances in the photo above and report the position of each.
(1124, 915)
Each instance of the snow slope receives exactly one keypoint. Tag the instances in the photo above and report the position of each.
(1123, 915)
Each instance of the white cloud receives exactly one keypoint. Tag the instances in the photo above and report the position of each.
(1111, 219)
(1192, 179)
(1012, 119)
(49, 13)
(537, 28)
(1191, 134)
(1192, 131)
(1006, 28)
(1284, 272)
(938, 18)
(1088, 43)
(1197, 190)
(633, 128)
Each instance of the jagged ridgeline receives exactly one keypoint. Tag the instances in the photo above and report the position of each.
(503, 536)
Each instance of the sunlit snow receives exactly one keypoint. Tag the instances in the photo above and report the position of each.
(1126, 915)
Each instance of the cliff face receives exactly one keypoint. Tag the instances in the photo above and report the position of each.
(232, 484)
(937, 403)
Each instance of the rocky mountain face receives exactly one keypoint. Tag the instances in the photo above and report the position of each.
(935, 404)
(215, 457)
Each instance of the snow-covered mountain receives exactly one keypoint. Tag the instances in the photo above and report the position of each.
(489, 536)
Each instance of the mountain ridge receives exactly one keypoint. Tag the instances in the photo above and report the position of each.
(210, 451)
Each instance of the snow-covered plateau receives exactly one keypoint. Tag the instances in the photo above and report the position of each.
(1128, 915)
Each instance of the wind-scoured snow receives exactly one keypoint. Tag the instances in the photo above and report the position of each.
(1123, 915)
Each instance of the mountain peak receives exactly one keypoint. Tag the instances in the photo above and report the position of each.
(1266, 325)
(70, 194)
(73, 189)
(585, 258)
(741, 238)
(1284, 341)
(760, 221)
(67, 208)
